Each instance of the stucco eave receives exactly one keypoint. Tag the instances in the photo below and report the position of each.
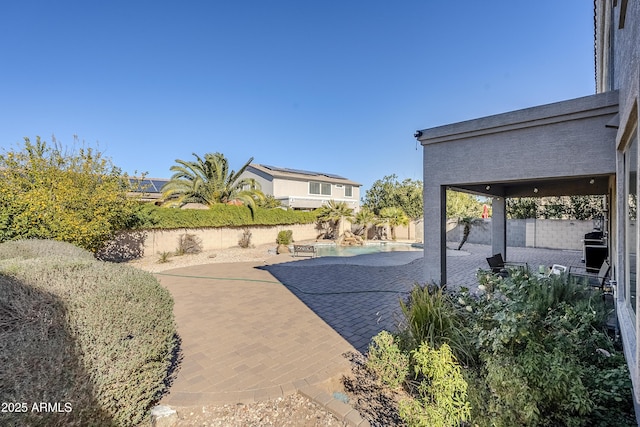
(574, 109)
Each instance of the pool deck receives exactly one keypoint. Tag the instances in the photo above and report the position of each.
(257, 331)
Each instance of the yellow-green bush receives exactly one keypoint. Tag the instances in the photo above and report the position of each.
(441, 387)
(387, 360)
(46, 193)
(98, 336)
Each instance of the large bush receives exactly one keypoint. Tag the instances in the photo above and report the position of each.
(96, 336)
(49, 193)
(544, 355)
(219, 215)
(533, 352)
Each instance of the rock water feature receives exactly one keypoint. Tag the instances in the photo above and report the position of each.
(349, 239)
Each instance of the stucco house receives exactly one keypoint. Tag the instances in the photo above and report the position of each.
(301, 189)
(587, 145)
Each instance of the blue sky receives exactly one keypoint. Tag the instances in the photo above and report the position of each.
(332, 86)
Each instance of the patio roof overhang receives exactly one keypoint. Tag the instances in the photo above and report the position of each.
(558, 186)
(565, 148)
(558, 148)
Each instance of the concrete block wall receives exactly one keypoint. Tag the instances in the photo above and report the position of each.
(532, 233)
(560, 234)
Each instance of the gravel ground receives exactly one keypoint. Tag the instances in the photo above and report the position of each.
(235, 254)
(290, 411)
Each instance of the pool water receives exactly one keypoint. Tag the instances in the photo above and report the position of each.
(333, 250)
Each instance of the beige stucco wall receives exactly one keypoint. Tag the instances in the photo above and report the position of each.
(300, 189)
(224, 237)
(294, 192)
(148, 243)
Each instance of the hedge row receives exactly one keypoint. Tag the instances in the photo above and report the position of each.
(220, 215)
(97, 339)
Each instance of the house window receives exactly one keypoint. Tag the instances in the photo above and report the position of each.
(348, 191)
(320, 188)
(631, 228)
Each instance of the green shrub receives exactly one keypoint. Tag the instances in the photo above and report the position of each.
(112, 335)
(219, 215)
(47, 193)
(285, 237)
(441, 389)
(163, 257)
(541, 345)
(387, 360)
(541, 356)
(431, 317)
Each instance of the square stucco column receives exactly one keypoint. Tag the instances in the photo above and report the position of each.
(499, 227)
(435, 248)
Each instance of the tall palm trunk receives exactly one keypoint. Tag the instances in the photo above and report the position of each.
(465, 235)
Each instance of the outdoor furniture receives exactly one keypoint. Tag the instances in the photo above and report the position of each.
(304, 249)
(499, 266)
(557, 270)
(598, 281)
(594, 256)
(595, 237)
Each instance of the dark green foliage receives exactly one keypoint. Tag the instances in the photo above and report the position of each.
(542, 354)
(99, 336)
(586, 207)
(522, 208)
(210, 180)
(565, 207)
(219, 215)
(389, 192)
(432, 317)
(534, 352)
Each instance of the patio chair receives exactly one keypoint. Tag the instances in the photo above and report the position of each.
(598, 281)
(499, 266)
(557, 270)
(602, 282)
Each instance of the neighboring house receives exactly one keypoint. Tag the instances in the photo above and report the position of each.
(580, 146)
(148, 189)
(300, 189)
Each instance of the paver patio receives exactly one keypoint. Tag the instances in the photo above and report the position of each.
(245, 337)
(253, 332)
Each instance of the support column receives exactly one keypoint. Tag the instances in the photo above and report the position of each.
(435, 244)
(499, 227)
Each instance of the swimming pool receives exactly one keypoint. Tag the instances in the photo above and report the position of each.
(324, 250)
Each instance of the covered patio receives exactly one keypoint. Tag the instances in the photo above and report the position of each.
(561, 149)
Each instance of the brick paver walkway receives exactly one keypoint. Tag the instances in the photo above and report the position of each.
(359, 301)
(252, 332)
(245, 337)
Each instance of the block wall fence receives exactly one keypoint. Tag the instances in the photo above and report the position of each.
(530, 233)
(545, 233)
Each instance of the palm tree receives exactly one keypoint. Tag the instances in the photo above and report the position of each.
(209, 181)
(365, 217)
(394, 217)
(467, 222)
(334, 212)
